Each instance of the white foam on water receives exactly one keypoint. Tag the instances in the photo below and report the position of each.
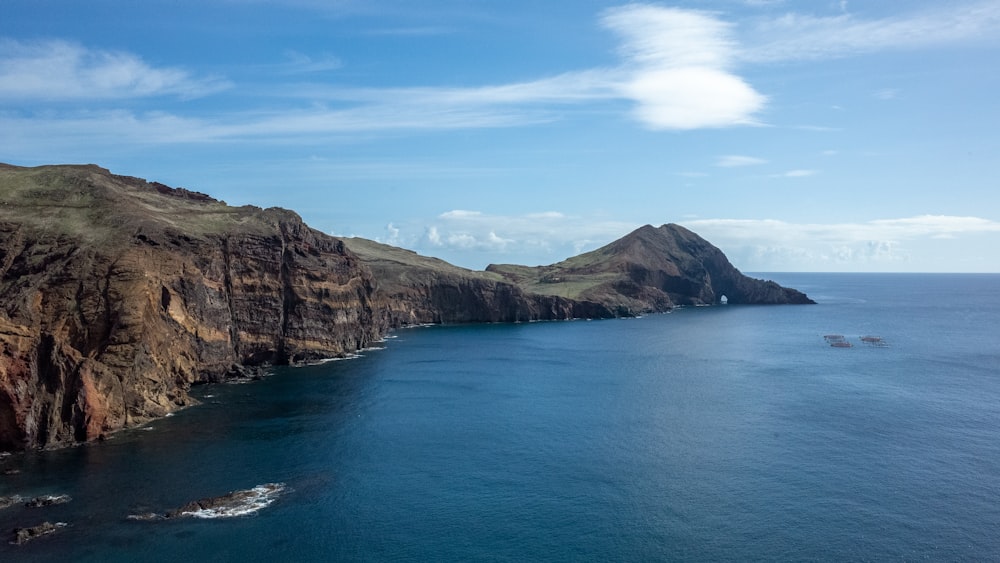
(328, 360)
(249, 502)
(52, 499)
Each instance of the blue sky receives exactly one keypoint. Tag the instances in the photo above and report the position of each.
(796, 136)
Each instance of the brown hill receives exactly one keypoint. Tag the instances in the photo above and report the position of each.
(649, 270)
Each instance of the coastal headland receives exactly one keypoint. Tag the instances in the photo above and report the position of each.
(118, 294)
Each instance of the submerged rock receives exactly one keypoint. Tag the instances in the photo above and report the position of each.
(47, 500)
(7, 502)
(24, 535)
(236, 503)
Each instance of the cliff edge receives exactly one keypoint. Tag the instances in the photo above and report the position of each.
(117, 294)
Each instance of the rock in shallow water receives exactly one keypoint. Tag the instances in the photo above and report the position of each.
(24, 535)
(47, 500)
(6, 502)
(236, 503)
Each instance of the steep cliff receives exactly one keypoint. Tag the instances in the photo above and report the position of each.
(415, 289)
(117, 294)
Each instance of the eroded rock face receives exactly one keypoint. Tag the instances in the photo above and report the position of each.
(414, 289)
(116, 296)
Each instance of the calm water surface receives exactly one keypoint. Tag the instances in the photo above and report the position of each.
(713, 433)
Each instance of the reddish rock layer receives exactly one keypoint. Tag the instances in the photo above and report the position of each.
(117, 295)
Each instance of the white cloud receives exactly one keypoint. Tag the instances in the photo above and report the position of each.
(804, 37)
(735, 160)
(817, 128)
(795, 174)
(887, 244)
(546, 215)
(657, 37)
(432, 236)
(460, 214)
(678, 68)
(298, 63)
(392, 235)
(679, 63)
(93, 129)
(568, 87)
(476, 239)
(887, 94)
(936, 225)
(547, 236)
(61, 70)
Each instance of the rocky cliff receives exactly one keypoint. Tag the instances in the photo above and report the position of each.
(414, 289)
(118, 294)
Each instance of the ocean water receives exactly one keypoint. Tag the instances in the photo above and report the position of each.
(727, 433)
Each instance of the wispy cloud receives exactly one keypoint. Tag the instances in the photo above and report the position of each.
(552, 234)
(62, 70)
(817, 128)
(934, 225)
(679, 61)
(880, 229)
(298, 63)
(678, 67)
(735, 160)
(563, 88)
(311, 125)
(805, 37)
(420, 31)
(795, 174)
(888, 244)
(756, 245)
(887, 94)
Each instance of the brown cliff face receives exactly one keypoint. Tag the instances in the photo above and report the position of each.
(414, 289)
(116, 295)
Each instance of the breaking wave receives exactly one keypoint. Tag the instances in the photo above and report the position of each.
(241, 503)
(237, 503)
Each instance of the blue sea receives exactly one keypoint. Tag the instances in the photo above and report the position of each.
(725, 433)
